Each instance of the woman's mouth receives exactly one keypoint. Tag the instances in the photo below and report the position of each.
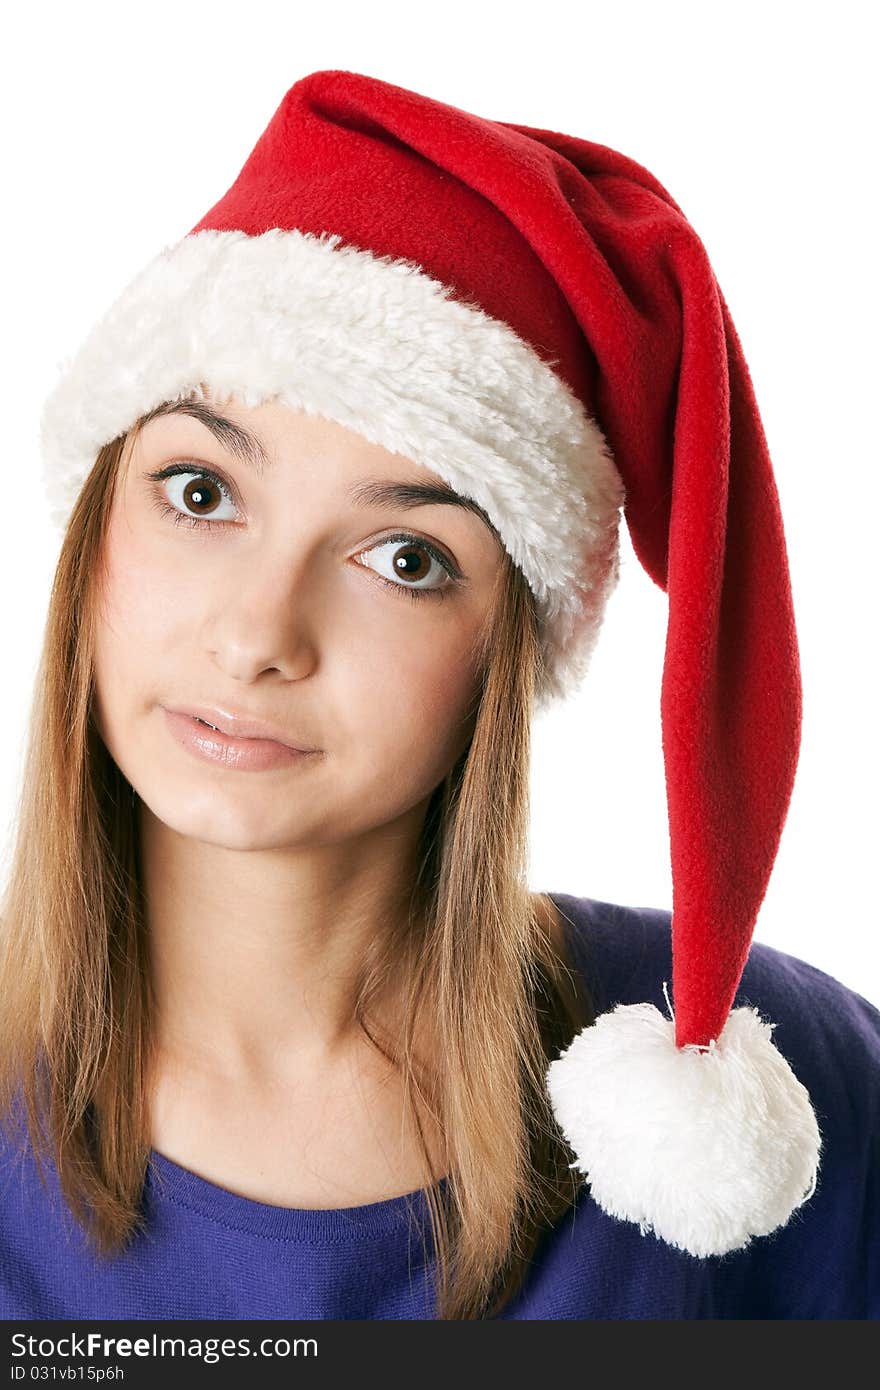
(210, 744)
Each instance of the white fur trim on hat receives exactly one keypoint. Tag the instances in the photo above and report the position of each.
(707, 1147)
(378, 346)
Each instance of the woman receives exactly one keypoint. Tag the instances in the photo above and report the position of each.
(338, 516)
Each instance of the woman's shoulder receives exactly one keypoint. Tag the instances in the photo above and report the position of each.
(625, 954)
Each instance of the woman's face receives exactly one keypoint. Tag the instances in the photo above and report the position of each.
(335, 620)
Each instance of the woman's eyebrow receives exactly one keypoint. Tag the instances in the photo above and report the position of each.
(368, 492)
(234, 437)
(378, 492)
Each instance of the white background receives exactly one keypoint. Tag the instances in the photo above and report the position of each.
(122, 124)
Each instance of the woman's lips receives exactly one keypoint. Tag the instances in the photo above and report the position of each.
(242, 754)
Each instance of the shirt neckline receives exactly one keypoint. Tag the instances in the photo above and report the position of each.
(169, 1181)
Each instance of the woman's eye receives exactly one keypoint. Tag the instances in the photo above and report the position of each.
(193, 496)
(418, 568)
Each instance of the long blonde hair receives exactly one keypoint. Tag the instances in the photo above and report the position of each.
(76, 1006)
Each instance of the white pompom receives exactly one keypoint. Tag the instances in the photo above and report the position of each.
(707, 1148)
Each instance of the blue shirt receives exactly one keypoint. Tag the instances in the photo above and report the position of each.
(211, 1253)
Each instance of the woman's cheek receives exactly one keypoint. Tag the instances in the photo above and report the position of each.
(171, 587)
(144, 578)
(417, 666)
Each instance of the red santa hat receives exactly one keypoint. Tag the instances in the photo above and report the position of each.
(530, 316)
